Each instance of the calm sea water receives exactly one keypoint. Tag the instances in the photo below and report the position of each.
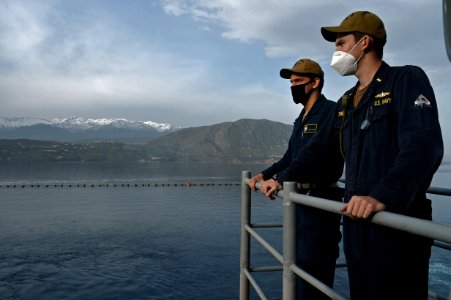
(151, 242)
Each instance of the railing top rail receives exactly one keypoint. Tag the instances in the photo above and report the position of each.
(426, 228)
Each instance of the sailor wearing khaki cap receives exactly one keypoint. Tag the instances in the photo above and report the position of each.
(389, 124)
(387, 130)
(367, 28)
(303, 66)
(317, 232)
(359, 21)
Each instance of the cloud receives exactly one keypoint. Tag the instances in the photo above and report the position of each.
(22, 29)
(54, 60)
(289, 26)
(191, 62)
(278, 23)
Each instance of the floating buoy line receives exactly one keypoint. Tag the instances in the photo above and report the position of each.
(112, 185)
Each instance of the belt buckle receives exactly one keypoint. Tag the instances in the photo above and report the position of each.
(304, 188)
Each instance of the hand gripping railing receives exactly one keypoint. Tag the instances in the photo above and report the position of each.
(439, 232)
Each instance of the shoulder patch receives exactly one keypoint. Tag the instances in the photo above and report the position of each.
(422, 101)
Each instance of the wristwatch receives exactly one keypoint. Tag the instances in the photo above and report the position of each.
(275, 176)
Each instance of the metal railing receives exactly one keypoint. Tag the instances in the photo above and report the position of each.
(440, 233)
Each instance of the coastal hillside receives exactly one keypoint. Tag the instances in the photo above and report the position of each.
(245, 140)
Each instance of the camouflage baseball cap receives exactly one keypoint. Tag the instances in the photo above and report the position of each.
(303, 66)
(360, 21)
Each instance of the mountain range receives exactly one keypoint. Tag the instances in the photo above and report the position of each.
(245, 140)
(119, 140)
(76, 129)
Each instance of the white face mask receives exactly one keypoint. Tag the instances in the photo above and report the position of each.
(344, 62)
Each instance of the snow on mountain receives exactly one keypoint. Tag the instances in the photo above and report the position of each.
(82, 124)
(21, 121)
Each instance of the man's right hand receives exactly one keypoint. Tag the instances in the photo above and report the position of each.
(254, 180)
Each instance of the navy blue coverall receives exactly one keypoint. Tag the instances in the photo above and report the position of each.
(393, 145)
(318, 232)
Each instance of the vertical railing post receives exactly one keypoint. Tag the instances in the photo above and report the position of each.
(289, 242)
(245, 237)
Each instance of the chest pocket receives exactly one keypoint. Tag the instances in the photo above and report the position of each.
(378, 115)
(381, 131)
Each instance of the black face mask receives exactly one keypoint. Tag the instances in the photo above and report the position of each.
(299, 94)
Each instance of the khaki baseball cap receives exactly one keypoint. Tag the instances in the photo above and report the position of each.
(303, 66)
(361, 21)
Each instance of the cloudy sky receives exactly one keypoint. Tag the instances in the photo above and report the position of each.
(193, 62)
